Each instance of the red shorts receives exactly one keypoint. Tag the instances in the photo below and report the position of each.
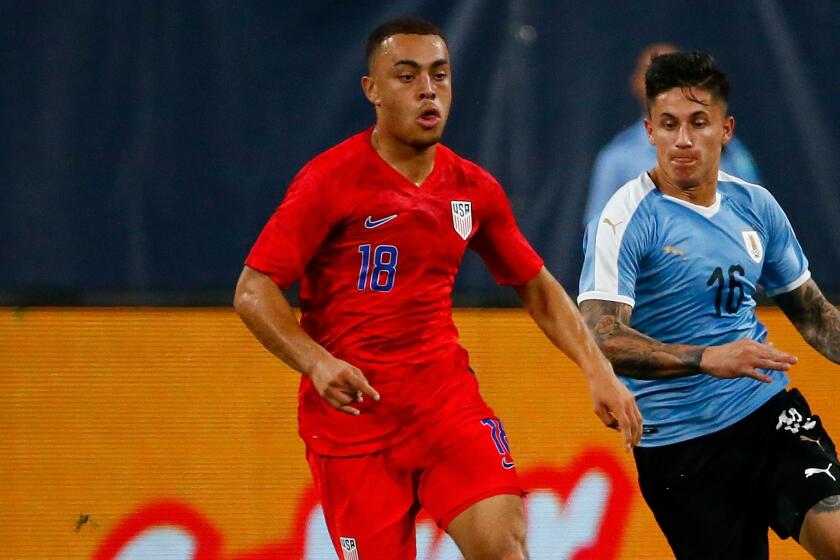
(370, 501)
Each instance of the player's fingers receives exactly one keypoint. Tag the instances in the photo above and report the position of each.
(608, 419)
(339, 397)
(349, 410)
(773, 353)
(626, 428)
(361, 384)
(774, 365)
(763, 377)
(339, 401)
(635, 419)
(641, 423)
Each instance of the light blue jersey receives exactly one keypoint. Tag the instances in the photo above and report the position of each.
(691, 273)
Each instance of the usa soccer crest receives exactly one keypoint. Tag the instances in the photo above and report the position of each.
(348, 548)
(753, 244)
(462, 217)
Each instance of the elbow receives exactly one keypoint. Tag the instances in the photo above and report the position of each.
(240, 298)
(243, 297)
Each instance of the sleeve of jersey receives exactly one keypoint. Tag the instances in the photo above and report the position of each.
(508, 255)
(295, 230)
(611, 261)
(785, 265)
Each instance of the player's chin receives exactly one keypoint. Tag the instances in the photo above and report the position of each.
(427, 138)
(685, 180)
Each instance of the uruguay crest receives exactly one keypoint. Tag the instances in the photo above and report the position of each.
(753, 244)
(462, 217)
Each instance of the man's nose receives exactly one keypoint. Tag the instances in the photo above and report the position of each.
(427, 90)
(683, 137)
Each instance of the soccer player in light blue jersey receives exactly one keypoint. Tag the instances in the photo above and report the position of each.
(629, 153)
(672, 266)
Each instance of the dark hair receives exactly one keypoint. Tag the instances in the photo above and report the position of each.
(401, 25)
(686, 70)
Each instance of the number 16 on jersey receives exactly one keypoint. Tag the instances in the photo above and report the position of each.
(380, 276)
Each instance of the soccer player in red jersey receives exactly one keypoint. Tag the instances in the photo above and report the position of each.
(375, 230)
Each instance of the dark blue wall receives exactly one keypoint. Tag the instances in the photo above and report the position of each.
(144, 144)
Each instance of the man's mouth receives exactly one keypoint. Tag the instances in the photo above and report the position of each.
(683, 160)
(429, 118)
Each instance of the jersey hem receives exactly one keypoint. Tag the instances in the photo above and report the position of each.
(716, 428)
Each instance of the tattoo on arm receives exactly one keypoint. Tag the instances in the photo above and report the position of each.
(816, 319)
(832, 503)
(632, 353)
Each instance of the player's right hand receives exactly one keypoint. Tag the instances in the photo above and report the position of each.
(744, 358)
(341, 384)
(613, 403)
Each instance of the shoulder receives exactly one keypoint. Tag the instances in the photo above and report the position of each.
(625, 204)
(745, 192)
(468, 174)
(463, 167)
(340, 159)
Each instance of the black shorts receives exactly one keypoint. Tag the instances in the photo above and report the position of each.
(715, 496)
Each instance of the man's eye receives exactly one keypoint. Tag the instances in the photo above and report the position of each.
(440, 76)
(668, 125)
(406, 77)
(700, 123)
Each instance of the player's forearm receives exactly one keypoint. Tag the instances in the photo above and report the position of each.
(268, 315)
(816, 319)
(636, 355)
(557, 316)
(632, 353)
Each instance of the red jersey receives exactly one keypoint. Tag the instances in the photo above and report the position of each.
(377, 256)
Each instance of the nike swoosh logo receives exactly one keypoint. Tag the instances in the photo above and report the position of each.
(370, 223)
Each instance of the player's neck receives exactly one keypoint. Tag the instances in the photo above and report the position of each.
(702, 194)
(413, 164)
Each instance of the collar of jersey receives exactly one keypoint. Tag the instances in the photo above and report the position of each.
(705, 211)
(399, 178)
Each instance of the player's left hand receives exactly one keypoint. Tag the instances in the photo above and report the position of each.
(614, 404)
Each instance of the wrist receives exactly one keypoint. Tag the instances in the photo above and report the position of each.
(701, 357)
(597, 367)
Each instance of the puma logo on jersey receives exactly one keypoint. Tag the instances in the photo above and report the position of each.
(370, 223)
(612, 225)
(806, 438)
(810, 472)
(668, 250)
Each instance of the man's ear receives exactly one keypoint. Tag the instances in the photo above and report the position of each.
(371, 91)
(649, 131)
(728, 129)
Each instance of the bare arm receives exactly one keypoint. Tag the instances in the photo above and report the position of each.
(816, 319)
(556, 315)
(639, 356)
(266, 312)
(632, 353)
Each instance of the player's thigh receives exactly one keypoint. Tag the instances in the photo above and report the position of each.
(493, 528)
(805, 478)
(368, 504)
(471, 489)
(705, 496)
(820, 534)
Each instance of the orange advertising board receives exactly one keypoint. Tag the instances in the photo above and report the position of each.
(170, 433)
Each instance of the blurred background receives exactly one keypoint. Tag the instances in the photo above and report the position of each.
(145, 144)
